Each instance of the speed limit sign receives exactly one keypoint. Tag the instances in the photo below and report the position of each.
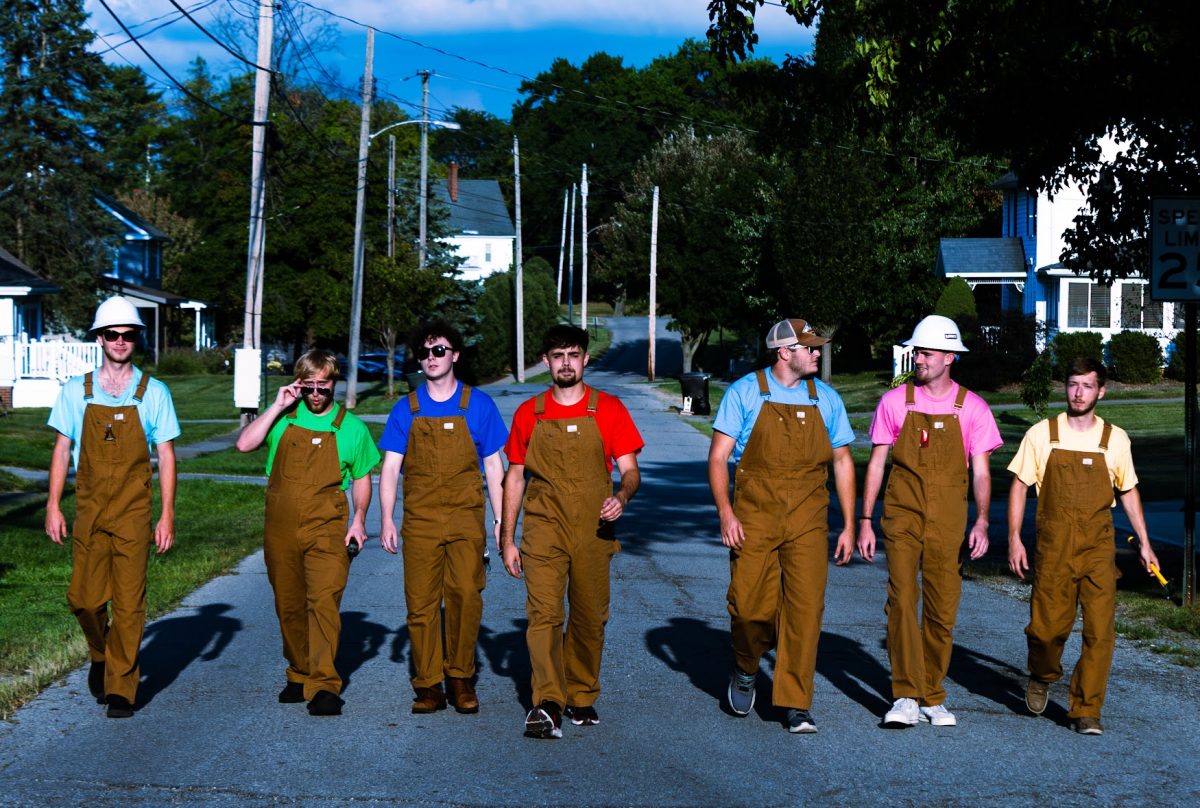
(1175, 248)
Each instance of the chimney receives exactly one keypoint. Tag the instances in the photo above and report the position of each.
(452, 183)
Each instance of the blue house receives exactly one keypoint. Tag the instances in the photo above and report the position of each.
(1021, 271)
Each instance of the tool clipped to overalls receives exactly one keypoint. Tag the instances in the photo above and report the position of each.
(1163, 582)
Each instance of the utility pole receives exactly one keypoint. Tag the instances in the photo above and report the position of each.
(360, 209)
(422, 252)
(391, 196)
(562, 247)
(653, 281)
(520, 269)
(256, 241)
(583, 193)
(571, 262)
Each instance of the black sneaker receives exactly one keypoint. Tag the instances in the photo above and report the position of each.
(96, 681)
(544, 721)
(801, 722)
(326, 702)
(583, 716)
(119, 707)
(292, 693)
(741, 692)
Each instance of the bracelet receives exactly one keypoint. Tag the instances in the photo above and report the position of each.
(863, 516)
(495, 521)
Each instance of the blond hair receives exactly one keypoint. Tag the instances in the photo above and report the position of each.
(317, 362)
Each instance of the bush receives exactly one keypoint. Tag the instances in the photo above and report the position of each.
(1136, 357)
(999, 354)
(186, 362)
(957, 301)
(497, 343)
(1036, 384)
(1177, 365)
(1067, 345)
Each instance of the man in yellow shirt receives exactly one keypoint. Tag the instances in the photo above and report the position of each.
(1075, 460)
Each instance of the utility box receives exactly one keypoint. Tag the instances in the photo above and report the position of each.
(247, 378)
(695, 387)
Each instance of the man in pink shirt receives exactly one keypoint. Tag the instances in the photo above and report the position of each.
(937, 429)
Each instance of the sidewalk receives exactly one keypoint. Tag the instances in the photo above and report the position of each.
(210, 732)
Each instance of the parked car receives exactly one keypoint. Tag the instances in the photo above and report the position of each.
(373, 365)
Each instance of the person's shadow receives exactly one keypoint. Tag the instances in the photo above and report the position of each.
(994, 679)
(508, 656)
(171, 644)
(359, 641)
(849, 667)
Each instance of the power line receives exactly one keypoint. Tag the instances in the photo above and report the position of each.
(208, 34)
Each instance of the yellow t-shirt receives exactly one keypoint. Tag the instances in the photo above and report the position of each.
(1029, 463)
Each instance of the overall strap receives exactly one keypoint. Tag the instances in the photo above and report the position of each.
(1104, 436)
(1054, 429)
(593, 404)
(812, 388)
(87, 385)
(414, 406)
(910, 394)
(763, 389)
(961, 398)
(539, 404)
(464, 398)
(337, 419)
(140, 392)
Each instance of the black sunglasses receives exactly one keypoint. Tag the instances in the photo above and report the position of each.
(437, 350)
(306, 390)
(119, 336)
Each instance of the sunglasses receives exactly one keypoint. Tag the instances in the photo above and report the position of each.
(119, 336)
(808, 348)
(437, 350)
(312, 390)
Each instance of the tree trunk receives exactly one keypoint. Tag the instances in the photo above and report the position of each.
(619, 305)
(827, 354)
(690, 343)
(389, 342)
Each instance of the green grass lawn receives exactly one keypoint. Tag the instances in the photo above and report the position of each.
(217, 525)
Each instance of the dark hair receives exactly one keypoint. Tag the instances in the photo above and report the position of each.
(316, 362)
(1083, 365)
(433, 329)
(564, 336)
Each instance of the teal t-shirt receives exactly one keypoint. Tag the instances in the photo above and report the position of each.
(357, 454)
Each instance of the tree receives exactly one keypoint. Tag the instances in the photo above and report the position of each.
(713, 215)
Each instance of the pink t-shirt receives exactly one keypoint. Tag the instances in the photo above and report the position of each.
(979, 430)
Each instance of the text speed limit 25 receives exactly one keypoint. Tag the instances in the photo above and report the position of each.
(1175, 248)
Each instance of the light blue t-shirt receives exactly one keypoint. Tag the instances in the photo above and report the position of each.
(742, 402)
(484, 422)
(156, 410)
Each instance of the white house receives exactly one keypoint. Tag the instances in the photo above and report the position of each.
(481, 230)
(1021, 270)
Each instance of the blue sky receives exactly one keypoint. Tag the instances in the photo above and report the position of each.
(511, 38)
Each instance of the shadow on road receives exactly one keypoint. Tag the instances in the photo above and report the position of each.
(855, 671)
(173, 643)
(673, 506)
(508, 657)
(991, 678)
(360, 641)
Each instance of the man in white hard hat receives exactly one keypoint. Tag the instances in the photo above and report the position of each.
(106, 421)
(938, 431)
(784, 428)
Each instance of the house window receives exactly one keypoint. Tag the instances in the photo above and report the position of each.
(1177, 319)
(1138, 311)
(487, 252)
(1089, 305)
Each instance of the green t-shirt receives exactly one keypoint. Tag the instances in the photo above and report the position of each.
(357, 454)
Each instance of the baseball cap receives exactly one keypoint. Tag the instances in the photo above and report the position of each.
(793, 331)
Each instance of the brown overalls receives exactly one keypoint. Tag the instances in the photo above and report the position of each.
(924, 521)
(781, 499)
(112, 537)
(1075, 564)
(566, 549)
(443, 544)
(304, 545)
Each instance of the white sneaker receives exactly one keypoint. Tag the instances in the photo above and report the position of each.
(904, 713)
(938, 716)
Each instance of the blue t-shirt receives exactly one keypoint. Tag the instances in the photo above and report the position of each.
(487, 429)
(156, 410)
(742, 402)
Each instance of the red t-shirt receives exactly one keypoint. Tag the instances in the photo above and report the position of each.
(617, 430)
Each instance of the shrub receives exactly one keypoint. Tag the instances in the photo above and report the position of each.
(497, 343)
(957, 301)
(999, 354)
(1036, 384)
(186, 362)
(1067, 345)
(1136, 357)
(1177, 365)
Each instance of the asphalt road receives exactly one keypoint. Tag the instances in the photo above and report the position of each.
(210, 732)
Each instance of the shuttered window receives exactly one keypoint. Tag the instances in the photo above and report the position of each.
(1138, 311)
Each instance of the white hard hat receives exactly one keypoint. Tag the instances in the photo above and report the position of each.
(116, 310)
(937, 333)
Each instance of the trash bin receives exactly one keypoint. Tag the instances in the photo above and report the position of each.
(695, 387)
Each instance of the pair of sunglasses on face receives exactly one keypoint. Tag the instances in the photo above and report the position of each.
(437, 350)
(315, 390)
(119, 336)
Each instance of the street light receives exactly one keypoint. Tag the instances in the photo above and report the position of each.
(356, 295)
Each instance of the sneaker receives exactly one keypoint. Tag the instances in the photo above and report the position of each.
(292, 693)
(801, 722)
(326, 702)
(904, 713)
(938, 716)
(583, 716)
(1086, 725)
(741, 692)
(544, 721)
(1037, 695)
(119, 707)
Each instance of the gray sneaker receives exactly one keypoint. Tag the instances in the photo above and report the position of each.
(741, 692)
(801, 722)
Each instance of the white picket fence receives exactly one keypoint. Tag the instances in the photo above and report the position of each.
(902, 359)
(55, 360)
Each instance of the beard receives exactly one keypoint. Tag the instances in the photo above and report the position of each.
(1075, 410)
(566, 378)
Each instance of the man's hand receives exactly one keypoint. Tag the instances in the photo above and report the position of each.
(1148, 558)
(56, 526)
(1018, 561)
(866, 540)
(978, 540)
(388, 538)
(164, 535)
(356, 533)
(512, 559)
(612, 508)
(733, 535)
(845, 547)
